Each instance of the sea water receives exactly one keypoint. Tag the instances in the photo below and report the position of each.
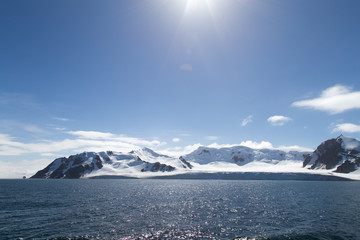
(178, 209)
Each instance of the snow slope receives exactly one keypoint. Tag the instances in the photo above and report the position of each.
(132, 164)
(241, 155)
(334, 157)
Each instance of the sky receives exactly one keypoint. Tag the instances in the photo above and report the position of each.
(173, 75)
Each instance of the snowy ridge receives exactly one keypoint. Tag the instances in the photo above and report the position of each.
(241, 155)
(90, 164)
(334, 157)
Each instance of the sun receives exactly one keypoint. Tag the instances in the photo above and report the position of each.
(195, 5)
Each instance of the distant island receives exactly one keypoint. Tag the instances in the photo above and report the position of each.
(333, 159)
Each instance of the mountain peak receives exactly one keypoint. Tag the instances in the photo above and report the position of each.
(342, 153)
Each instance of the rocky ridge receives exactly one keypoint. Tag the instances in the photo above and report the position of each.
(338, 155)
(341, 153)
(79, 165)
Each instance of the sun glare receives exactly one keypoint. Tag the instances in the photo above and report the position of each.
(195, 5)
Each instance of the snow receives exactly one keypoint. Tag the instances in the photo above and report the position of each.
(203, 160)
(241, 155)
(349, 143)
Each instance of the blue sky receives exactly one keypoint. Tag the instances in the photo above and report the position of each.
(174, 74)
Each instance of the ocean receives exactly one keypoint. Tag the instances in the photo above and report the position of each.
(179, 209)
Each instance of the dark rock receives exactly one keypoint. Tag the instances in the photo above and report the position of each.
(346, 167)
(161, 167)
(307, 159)
(204, 151)
(186, 163)
(328, 153)
(238, 159)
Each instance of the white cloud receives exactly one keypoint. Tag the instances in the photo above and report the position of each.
(216, 145)
(247, 120)
(92, 134)
(295, 148)
(48, 154)
(347, 127)
(256, 145)
(211, 138)
(334, 100)
(84, 141)
(186, 67)
(176, 140)
(180, 151)
(278, 120)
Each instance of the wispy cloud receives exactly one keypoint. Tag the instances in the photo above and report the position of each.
(186, 67)
(347, 127)
(334, 100)
(185, 134)
(176, 139)
(295, 148)
(18, 100)
(27, 127)
(247, 120)
(83, 141)
(179, 151)
(33, 128)
(278, 120)
(92, 134)
(61, 119)
(211, 138)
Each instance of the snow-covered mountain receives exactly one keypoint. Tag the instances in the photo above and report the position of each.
(111, 163)
(341, 154)
(333, 157)
(241, 155)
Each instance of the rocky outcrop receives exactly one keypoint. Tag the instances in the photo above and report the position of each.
(186, 163)
(81, 165)
(341, 153)
(74, 166)
(156, 167)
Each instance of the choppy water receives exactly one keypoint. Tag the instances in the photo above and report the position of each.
(178, 209)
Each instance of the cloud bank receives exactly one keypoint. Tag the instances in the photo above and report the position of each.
(333, 100)
(83, 141)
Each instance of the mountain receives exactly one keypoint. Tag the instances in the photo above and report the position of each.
(241, 155)
(107, 163)
(342, 153)
(333, 157)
